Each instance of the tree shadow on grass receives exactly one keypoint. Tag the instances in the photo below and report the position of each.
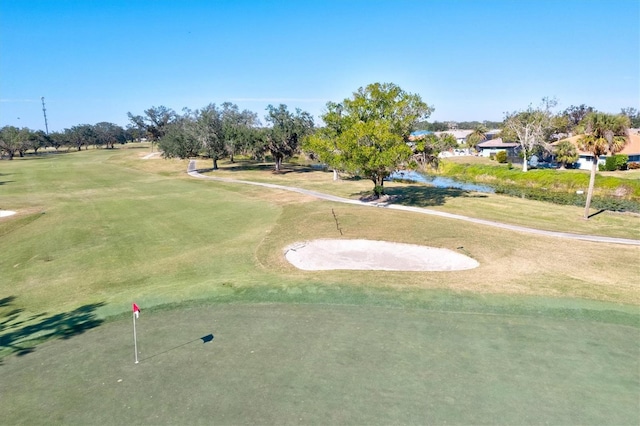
(426, 196)
(29, 156)
(243, 166)
(251, 165)
(127, 146)
(2, 182)
(20, 334)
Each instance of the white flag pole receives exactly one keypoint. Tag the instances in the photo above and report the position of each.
(135, 340)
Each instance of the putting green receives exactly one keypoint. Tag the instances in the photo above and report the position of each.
(279, 363)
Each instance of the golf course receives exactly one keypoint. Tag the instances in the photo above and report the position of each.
(545, 330)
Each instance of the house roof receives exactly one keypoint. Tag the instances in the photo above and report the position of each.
(458, 134)
(419, 134)
(631, 148)
(497, 143)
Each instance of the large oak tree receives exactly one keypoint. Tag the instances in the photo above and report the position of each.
(109, 134)
(237, 128)
(285, 132)
(178, 142)
(368, 134)
(205, 126)
(13, 140)
(155, 122)
(81, 135)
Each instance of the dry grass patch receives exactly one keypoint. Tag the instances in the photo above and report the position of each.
(510, 262)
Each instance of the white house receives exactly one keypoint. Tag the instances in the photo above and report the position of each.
(493, 146)
(632, 149)
(460, 135)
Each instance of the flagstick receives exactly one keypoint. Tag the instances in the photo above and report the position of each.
(135, 340)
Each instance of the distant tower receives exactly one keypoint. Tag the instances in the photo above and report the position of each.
(44, 111)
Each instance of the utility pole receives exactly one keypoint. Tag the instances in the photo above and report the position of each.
(44, 111)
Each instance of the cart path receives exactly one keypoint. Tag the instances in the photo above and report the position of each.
(192, 171)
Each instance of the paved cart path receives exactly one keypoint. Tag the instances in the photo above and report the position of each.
(192, 171)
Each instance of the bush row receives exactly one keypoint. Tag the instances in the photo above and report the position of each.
(572, 199)
(567, 181)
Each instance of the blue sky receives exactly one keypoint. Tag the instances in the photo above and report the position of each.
(472, 60)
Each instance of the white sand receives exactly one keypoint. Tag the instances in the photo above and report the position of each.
(374, 255)
(4, 213)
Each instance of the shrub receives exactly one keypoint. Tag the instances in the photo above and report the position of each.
(573, 199)
(616, 162)
(633, 166)
(513, 182)
(501, 156)
(622, 161)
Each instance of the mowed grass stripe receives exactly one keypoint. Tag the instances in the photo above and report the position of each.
(136, 236)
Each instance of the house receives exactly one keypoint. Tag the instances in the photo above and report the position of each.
(492, 134)
(460, 135)
(631, 149)
(493, 146)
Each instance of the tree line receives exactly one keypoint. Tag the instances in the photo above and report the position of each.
(368, 134)
(17, 141)
(224, 131)
(567, 120)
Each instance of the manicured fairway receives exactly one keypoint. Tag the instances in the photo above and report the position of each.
(542, 331)
(330, 364)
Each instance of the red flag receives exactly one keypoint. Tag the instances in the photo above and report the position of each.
(136, 310)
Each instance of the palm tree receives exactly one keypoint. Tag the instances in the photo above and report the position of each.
(478, 135)
(566, 153)
(603, 133)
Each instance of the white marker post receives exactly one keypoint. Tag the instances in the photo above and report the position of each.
(136, 312)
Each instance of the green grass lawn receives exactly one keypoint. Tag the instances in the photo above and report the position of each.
(288, 363)
(501, 208)
(544, 331)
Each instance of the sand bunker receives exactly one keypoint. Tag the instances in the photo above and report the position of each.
(4, 213)
(374, 255)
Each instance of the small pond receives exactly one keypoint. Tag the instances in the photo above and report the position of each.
(441, 182)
